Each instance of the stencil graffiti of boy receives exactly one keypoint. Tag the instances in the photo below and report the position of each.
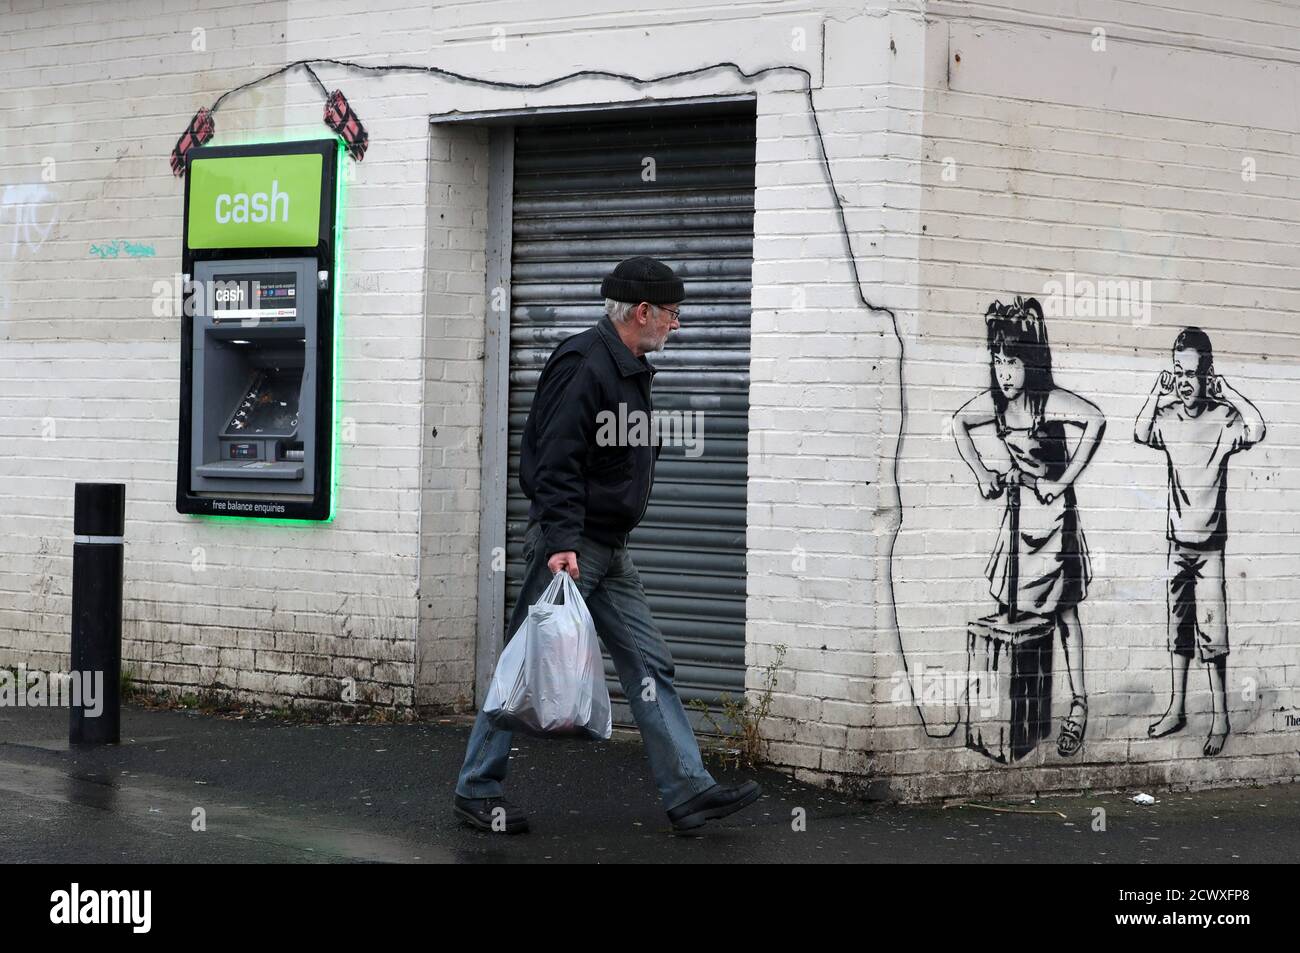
(1199, 421)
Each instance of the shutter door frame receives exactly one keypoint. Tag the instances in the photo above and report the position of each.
(714, 214)
(493, 491)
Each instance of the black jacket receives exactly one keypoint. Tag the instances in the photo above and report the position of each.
(578, 487)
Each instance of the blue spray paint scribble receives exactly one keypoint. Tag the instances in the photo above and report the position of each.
(112, 249)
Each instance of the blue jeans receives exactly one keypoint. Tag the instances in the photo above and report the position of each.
(612, 589)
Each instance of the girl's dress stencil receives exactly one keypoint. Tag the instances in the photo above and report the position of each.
(1039, 569)
(1054, 567)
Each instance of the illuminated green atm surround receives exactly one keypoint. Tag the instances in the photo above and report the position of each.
(257, 383)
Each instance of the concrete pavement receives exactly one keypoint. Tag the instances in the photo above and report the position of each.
(271, 791)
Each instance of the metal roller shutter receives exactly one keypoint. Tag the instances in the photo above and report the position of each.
(580, 206)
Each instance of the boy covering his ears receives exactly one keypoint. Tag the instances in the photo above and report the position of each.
(1199, 421)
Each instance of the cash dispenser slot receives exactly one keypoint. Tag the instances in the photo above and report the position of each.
(262, 425)
(255, 387)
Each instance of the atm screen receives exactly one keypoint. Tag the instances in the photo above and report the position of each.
(254, 298)
(269, 406)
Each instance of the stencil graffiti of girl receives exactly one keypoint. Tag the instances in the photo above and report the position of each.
(1031, 414)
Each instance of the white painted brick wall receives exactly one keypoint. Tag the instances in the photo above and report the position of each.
(1119, 164)
(1134, 175)
(1122, 163)
(385, 594)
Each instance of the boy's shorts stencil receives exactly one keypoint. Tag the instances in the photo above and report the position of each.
(1198, 614)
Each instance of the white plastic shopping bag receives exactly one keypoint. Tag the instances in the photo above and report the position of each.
(550, 679)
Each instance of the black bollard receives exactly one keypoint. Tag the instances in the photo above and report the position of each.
(99, 512)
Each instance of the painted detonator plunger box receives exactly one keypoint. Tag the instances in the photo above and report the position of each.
(1009, 685)
(1009, 669)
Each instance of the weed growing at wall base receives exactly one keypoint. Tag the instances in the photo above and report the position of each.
(741, 727)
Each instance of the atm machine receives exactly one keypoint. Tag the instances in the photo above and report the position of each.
(256, 421)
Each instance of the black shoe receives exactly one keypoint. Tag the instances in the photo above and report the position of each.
(493, 814)
(712, 804)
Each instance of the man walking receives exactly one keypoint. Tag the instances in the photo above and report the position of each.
(587, 494)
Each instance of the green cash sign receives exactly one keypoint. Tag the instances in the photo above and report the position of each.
(255, 201)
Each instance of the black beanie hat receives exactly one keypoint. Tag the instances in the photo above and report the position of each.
(643, 279)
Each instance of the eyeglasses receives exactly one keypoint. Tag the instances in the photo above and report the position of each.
(675, 314)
